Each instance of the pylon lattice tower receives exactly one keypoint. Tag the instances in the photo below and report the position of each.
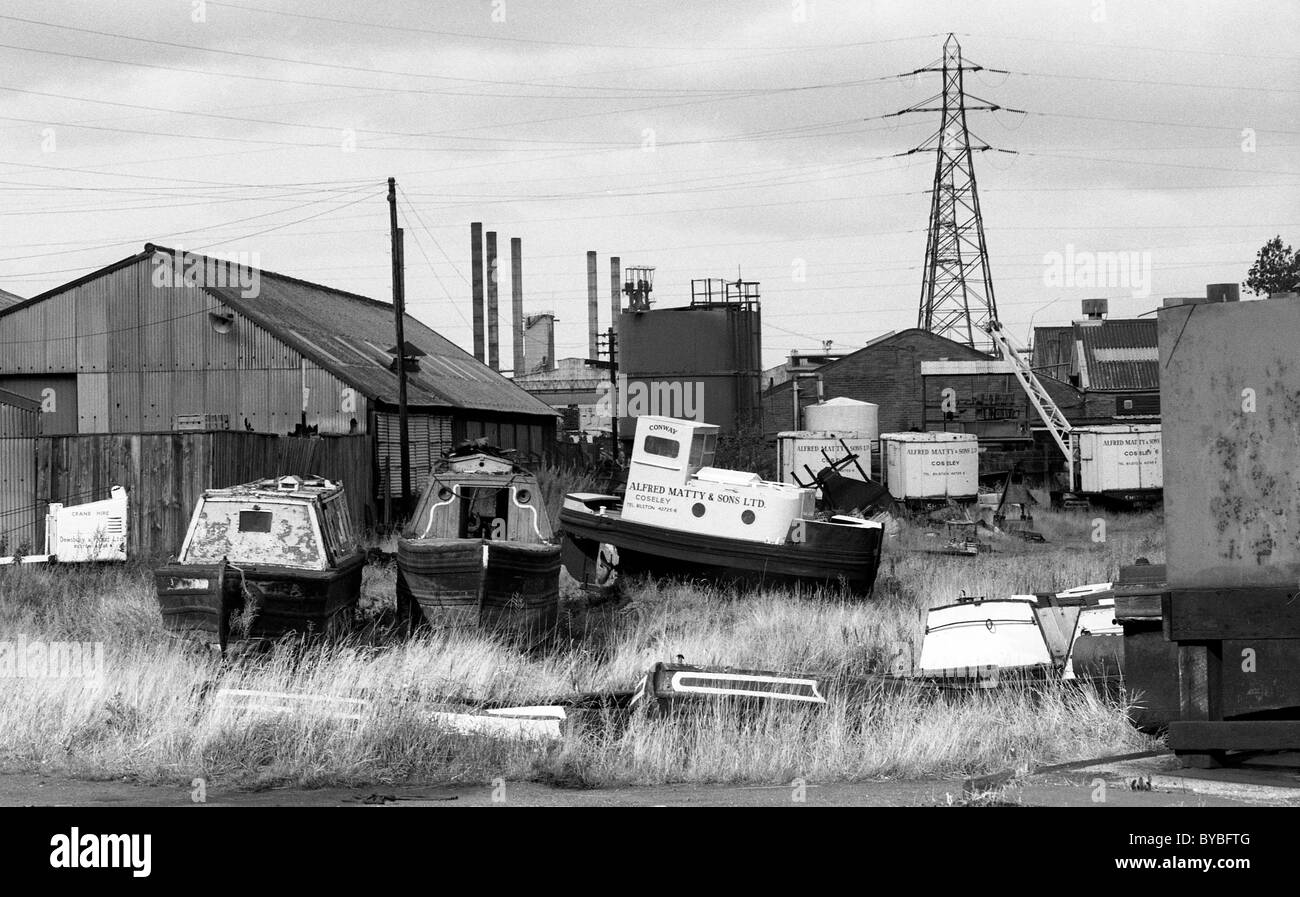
(957, 298)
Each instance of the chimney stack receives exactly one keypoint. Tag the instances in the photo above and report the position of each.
(593, 310)
(517, 301)
(1223, 292)
(1095, 309)
(476, 265)
(615, 290)
(493, 316)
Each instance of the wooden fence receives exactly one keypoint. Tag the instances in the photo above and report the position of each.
(165, 473)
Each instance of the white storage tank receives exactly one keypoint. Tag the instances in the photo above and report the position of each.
(797, 448)
(843, 415)
(1118, 458)
(931, 465)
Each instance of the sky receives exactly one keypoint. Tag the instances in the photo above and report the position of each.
(705, 139)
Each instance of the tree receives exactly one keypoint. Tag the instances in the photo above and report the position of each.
(1276, 269)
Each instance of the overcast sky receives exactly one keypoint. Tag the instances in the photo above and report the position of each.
(702, 138)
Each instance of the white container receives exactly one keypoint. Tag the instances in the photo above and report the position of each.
(842, 415)
(797, 448)
(1118, 458)
(931, 465)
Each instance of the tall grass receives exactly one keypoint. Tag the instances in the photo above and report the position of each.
(152, 716)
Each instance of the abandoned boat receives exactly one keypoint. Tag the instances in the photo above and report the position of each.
(478, 551)
(262, 560)
(682, 516)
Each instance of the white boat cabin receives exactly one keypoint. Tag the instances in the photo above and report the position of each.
(671, 483)
(285, 522)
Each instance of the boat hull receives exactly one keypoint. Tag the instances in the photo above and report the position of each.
(219, 603)
(472, 583)
(828, 554)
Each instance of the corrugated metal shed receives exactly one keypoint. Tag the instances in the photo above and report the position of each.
(343, 333)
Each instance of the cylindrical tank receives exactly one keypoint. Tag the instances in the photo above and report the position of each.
(931, 465)
(844, 415)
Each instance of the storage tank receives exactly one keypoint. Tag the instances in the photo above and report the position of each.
(797, 448)
(844, 415)
(931, 465)
(1118, 458)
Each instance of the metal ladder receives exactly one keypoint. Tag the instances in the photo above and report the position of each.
(1047, 409)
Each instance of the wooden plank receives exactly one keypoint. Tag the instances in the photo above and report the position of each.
(1193, 681)
(1198, 615)
(1137, 607)
(1234, 735)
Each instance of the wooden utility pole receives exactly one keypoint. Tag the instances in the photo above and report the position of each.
(612, 339)
(399, 318)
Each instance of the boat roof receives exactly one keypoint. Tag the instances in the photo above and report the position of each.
(303, 488)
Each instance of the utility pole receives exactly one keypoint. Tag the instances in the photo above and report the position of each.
(611, 343)
(399, 318)
(956, 289)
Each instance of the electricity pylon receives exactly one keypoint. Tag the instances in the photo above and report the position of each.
(957, 298)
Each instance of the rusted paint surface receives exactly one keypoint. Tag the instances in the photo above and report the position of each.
(1230, 391)
(291, 541)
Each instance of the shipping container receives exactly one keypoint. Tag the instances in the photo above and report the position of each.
(931, 465)
(800, 449)
(1118, 458)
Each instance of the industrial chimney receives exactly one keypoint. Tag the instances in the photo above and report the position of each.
(615, 288)
(476, 265)
(493, 315)
(517, 302)
(593, 310)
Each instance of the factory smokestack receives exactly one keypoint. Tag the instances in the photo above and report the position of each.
(615, 290)
(517, 302)
(493, 316)
(476, 265)
(593, 309)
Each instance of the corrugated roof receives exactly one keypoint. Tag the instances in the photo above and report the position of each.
(7, 298)
(349, 335)
(1119, 354)
(1113, 353)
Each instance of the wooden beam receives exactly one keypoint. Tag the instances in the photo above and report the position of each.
(1235, 735)
(1200, 615)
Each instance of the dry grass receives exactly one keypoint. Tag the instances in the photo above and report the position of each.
(149, 717)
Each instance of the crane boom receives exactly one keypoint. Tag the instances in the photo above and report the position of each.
(1043, 403)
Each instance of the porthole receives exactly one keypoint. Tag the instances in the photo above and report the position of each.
(523, 496)
(444, 494)
(747, 517)
(697, 509)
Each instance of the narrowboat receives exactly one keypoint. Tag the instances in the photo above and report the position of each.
(479, 550)
(680, 516)
(263, 560)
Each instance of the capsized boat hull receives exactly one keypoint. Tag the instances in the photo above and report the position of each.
(827, 554)
(222, 603)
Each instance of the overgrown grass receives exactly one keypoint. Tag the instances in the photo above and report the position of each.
(151, 715)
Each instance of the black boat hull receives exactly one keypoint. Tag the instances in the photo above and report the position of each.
(828, 553)
(218, 603)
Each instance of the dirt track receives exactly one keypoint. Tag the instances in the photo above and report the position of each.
(1275, 787)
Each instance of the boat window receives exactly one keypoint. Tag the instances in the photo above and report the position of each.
(338, 527)
(664, 448)
(276, 534)
(254, 521)
(703, 448)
